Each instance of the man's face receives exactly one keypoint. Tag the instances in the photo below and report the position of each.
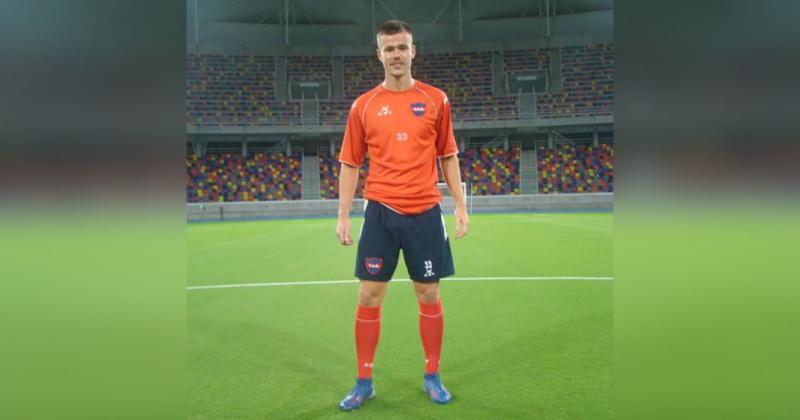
(396, 52)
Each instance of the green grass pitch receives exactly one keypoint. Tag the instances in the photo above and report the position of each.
(512, 349)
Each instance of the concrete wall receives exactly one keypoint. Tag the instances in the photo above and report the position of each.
(322, 208)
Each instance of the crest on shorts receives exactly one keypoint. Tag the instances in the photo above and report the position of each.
(418, 108)
(374, 265)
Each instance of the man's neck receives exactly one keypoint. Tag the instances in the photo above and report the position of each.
(398, 84)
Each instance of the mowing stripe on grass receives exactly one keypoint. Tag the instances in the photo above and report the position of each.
(309, 283)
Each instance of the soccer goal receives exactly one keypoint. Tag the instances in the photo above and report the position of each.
(448, 204)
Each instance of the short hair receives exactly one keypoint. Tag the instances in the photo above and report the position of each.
(391, 27)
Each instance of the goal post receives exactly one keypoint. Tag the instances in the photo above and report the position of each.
(448, 204)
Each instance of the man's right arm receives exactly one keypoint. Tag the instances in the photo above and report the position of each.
(348, 181)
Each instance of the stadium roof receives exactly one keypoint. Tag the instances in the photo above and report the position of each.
(359, 12)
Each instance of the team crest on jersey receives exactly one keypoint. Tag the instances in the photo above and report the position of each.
(374, 265)
(418, 108)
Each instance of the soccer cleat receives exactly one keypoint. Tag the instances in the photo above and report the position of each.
(434, 388)
(361, 392)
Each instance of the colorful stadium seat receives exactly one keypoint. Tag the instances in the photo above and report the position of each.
(225, 177)
(569, 168)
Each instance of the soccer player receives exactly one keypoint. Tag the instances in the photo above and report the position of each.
(404, 126)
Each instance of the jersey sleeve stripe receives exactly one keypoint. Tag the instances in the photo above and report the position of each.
(349, 163)
(366, 105)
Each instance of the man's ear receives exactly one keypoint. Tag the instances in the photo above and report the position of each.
(413, 51)
(378, 53)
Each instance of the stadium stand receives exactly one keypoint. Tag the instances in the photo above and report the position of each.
(329, 176)
(225, 177)
(488, 171)
(235, 90)
(471, 101)
(361, 73)
(588, 78)
(570, 168)
(334, 112)
(466, 78)
(239, 90)
(308, 68)
(491, 170)
(523, 60)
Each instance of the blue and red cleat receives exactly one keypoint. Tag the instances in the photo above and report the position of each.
(435, 390)
(361, 392)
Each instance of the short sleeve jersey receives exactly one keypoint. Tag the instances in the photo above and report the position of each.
(404, 133)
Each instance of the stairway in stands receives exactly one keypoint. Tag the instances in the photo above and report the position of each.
(527, 172)
(310, 177)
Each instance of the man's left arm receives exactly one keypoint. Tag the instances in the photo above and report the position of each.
(452, 175)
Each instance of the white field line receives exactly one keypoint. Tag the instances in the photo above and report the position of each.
(309, 283)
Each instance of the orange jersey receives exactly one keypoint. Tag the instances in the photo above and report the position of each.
(403, 132)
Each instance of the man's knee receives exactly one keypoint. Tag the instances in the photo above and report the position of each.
(427, 293)
(371, 294)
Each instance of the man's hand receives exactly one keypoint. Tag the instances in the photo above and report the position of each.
(343, 231)
(462, 222)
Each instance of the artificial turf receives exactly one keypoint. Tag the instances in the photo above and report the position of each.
(512, 348)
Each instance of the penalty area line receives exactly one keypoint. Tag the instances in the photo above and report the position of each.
(311, 283)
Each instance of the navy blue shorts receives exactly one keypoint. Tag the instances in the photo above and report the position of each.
(422, 237)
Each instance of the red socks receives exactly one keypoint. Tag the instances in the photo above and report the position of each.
(431, 329)
(368, 330)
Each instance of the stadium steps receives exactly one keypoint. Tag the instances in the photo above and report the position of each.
(527, 172)
(338, 78)
(556, 83)
(498, 75)
(281, 91)
(310, 177)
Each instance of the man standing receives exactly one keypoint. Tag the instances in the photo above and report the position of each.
(405, 126)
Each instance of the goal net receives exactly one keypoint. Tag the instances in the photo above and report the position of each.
(448, 204)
